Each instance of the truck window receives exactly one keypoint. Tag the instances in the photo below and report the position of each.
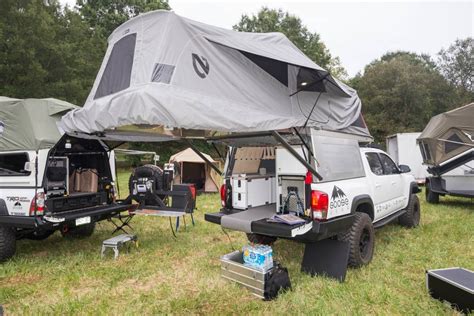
(374, 163)
(13, 164)
(337, 158)
(389, 166)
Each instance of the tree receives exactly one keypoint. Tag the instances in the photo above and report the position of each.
(400, 92)
(271, 20)
(106, 15)
(456, 63)
(45, 51)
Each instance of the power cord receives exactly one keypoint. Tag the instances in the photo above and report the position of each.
(230, 240)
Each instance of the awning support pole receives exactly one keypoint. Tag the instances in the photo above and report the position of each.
(295, 154)
(203, 157)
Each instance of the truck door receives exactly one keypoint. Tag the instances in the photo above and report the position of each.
(381, 185)
(392, 173)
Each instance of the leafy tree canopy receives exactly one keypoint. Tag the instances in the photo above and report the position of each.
(271, 20)
(456, 63)
(400, 92)
(106, 15)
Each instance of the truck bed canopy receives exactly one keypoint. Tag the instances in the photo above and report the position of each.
(30, 124)
(161, 69)
(448, 135)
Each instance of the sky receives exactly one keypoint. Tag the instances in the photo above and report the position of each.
(357, 32)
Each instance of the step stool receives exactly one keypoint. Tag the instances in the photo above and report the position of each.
(116, 242)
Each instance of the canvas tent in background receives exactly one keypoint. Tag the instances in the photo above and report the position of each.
(161, 69)
(193, 169)
(448, 135)
(30, 124)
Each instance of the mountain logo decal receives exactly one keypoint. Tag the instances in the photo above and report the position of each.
(337, 193)
(338, 198)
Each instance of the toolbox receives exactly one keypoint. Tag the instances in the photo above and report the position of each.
(233, 269)
(252, 191)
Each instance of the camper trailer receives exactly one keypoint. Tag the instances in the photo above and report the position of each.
(447, 148)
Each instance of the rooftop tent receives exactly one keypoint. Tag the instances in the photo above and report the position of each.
(448, 135)
(193, 169)
(30, 124)
(165, 70)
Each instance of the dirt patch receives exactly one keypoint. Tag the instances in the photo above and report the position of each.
(20, 280)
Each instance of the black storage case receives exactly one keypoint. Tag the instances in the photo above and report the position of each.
(455, 285)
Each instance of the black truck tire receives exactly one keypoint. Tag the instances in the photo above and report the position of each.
(78, 232)
(361, 239)
(431, 197)
(261, 239)
(411, 218)
(39, 235)
(7, 243)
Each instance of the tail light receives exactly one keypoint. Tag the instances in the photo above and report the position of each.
(319, 205)
(193, 191)
(223, 194)
(37, 204)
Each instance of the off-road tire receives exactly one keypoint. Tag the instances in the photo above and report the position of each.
(361, 239)
(39, 235)
(431, 197)
(78, 232)
(261, 239)
(7, 243)
(157, 175)
(411, 218)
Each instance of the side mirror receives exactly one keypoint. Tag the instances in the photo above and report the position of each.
(404, 169)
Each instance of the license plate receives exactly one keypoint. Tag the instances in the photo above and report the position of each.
(83, 220)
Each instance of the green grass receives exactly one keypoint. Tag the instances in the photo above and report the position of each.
(164, 275)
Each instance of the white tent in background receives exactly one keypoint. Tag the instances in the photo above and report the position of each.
(193, 169)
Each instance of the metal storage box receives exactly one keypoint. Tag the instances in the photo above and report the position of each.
(233, 269)
(455, 285)
(252, 190)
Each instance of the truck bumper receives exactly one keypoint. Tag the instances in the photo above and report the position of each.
(318, 231)
(96, 213)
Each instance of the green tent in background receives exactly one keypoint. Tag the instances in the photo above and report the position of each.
(30, 124)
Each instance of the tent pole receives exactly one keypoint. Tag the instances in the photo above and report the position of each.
(202, 156)
(295, 154)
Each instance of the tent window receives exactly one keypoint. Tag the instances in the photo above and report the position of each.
(162, 73)
(13, 164)
(449, 147)
(117, 73)
(276, 68)
(310, 80)
(426, 151)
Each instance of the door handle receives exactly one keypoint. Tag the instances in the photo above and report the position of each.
(393, 182)
(378, 185)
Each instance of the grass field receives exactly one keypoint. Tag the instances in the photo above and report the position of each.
(164, 275)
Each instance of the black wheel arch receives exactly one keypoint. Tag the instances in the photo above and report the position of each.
(363, 203)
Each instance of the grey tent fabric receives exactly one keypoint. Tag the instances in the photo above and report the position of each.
(191, 75)
(30, 124)
(448, 135)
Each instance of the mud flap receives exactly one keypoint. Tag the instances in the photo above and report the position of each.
(326, 257)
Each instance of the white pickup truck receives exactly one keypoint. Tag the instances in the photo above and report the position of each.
(68, 187)
(358, 189)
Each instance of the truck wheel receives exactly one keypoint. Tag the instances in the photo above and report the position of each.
(431, 197)
(82, 231)
(261, 239)
(40, 235)
(412, 217)
(7, 243)
(361, 239)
